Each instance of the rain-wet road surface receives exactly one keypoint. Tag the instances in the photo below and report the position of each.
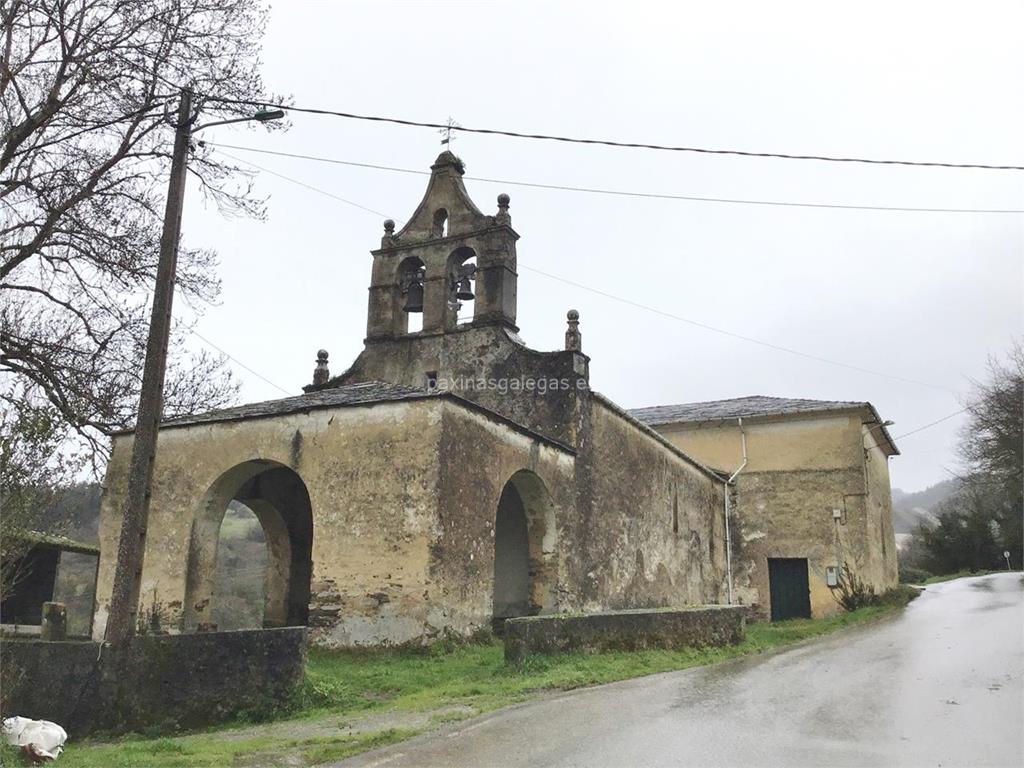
(941, 685)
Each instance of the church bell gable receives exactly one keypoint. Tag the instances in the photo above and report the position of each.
(448, 254)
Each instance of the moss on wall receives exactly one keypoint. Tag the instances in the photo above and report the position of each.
(167, 682)
(654, 532)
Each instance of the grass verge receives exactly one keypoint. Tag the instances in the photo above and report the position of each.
(958, 575)
(451, 681)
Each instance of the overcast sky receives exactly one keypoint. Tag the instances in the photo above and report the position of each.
(923, 296)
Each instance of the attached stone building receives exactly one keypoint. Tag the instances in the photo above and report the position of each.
(451, 476)
(811, 494)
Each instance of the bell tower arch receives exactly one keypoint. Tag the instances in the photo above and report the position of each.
(448, 252)
(454, 267)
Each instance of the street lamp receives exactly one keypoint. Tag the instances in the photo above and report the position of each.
(131, 547)
(262, 115)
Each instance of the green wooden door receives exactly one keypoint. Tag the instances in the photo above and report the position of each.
(790, 590)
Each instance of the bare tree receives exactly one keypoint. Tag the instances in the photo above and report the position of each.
(85, 88)
(984, 516)
(992, 447)
(992, 442)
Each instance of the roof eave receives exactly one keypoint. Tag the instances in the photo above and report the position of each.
(861, 408)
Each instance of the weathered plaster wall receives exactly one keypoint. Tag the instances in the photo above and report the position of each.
(372, 477)
(884, 570)
(799, 470)
(403, 496)
(828, 442)
(650, 521)
(789, 514)
(478, 457)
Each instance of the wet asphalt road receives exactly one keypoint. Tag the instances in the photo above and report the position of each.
(941, 685)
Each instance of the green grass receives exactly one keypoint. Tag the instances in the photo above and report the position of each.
(959, 575)
(210, 751)
(476, 675)
(459, 680)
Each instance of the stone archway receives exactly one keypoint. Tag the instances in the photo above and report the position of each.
(525, 562)
(280, 501)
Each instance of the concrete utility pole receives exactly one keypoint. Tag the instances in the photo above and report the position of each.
(131, 548)
(124, 601)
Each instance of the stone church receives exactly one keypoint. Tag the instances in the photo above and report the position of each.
(450, 477)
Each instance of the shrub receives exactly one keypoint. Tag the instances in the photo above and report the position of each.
(898, 595)
(852, 592)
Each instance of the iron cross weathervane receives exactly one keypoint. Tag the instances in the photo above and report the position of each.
(448, 131)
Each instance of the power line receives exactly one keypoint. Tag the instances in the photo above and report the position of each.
(732, 334)
(599, 191)
(238, 362)
(300, 183)
(926, 426)
(932, 424)
(332, 160)
(679, 318)
(611, 143)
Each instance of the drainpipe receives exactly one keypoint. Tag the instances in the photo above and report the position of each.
(728, 534)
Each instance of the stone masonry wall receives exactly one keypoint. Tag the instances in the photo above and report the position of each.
(634, 630)
(171, 682)
(789, 514)
(651, 522)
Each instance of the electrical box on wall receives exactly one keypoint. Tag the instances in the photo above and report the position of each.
(832, 576)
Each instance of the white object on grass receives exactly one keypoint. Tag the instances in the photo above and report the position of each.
(44, 740)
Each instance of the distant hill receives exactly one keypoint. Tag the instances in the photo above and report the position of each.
(75, 512)
(909, 509)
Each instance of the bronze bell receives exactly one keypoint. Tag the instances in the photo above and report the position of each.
(414, 297)
(465, 290)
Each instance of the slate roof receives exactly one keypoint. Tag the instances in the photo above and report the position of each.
(755, 405)
(366, 393)
(352, 394)
(749, 407)
(58, 542)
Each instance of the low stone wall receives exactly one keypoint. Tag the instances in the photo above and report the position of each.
(169, 682)
(632, 630)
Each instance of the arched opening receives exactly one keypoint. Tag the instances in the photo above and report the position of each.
(239, 582)
(410, 296)
(511, 557)
(462, 285)
(525, 564)
(276, 496)
(440, 227)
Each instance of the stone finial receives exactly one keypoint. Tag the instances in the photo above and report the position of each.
(503, 217)
(389, 233)
(573, 339)
(321, 373)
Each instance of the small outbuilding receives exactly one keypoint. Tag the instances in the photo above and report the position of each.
(810, 494)
(49, 568)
